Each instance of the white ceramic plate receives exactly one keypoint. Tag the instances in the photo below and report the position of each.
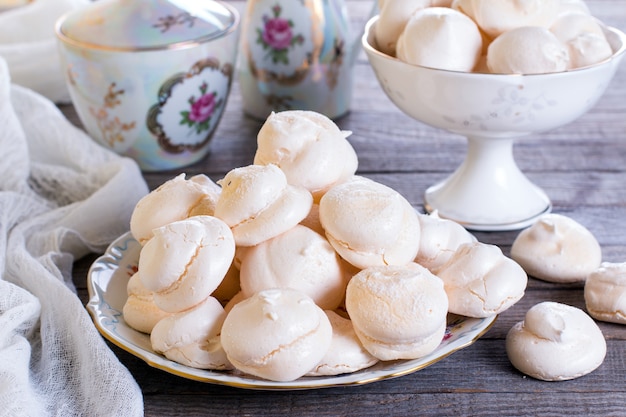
(107, 280)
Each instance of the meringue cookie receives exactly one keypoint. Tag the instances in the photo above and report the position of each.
(369, 223)
(300, 259)
(555, 342)
(139, 311)
(557, 249)
(346, 353)
(439, 240)
(480, 281)
(392, 19)
(258, 203)
(584, 38)
(308, 147)
(605, 293)
(186, 261)
(277, 334)
(498, 17)
(527, 50)
(175, 199)
(442, 38)
(192, 338)
(398, 312)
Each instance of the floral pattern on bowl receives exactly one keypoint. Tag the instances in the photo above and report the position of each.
(189, 106)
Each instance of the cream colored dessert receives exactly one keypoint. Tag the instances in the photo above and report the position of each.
(398, 312)
(439, 240)
(312, 220)
(175, 199)
(369, 223)
(527, 50)
(498, 17)
(308, 147)
(392, 19)
(229, 286)
(186, 261)
(556, 248)
(605, 293)
(481, 282)
(277, 334)
(258, 203)
(346, 353)
(442, 38)
(555, 342)
(300, 259)
(140, 312)
(584, 38)
(192, 337)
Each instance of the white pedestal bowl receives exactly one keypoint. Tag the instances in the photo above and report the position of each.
(488, 191)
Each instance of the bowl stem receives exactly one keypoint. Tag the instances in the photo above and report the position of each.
(488, 192)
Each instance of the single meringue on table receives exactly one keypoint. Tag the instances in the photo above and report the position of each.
(277, 334)
(480, 281)
(442, 38)
(398, 312)
(556, 248)
(308, 147)
(369, 223)
(605, 293)
(555, 342)
(186, 261)
(258, 203)
(175, 199)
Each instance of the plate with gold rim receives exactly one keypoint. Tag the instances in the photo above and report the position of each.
(106, 282)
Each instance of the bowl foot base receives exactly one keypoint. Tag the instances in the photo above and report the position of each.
(488, 192)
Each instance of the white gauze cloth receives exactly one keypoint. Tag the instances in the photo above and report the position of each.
(62, 196)
(29, 46)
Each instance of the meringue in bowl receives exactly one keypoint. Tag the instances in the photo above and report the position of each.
(488, 191)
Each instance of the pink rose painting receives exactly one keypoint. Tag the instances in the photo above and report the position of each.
(199, 114)
(277, 36)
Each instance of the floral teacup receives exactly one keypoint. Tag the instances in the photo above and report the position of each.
(150, 79)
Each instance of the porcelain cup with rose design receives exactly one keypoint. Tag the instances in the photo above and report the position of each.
(150, 78)
(488, 191)
(296, 55)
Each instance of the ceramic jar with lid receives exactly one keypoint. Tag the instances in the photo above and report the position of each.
(150, 78)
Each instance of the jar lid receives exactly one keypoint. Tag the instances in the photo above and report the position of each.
(135, 25)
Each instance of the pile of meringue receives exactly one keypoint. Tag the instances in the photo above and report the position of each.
(295, 266)
(500, 37)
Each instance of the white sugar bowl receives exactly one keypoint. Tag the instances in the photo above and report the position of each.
(150, 78)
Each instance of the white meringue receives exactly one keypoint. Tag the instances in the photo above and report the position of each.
(556, 248)
(398, 312)
(392, 19)
(584, 38)
(300, 259)
(192, 338)
(277, 334)
(480, 281)
(186, 261)
(442, 38)
(308, 147)
(175, 199)
(346, 353)
(527, 50)
(139, 311)
(369, 223)
(605, 293)
(258, 203)
(555, 342)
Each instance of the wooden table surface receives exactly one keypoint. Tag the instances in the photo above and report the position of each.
(581, 166)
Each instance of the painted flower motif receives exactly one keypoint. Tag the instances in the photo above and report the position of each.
(199, 114)
(277, 36)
